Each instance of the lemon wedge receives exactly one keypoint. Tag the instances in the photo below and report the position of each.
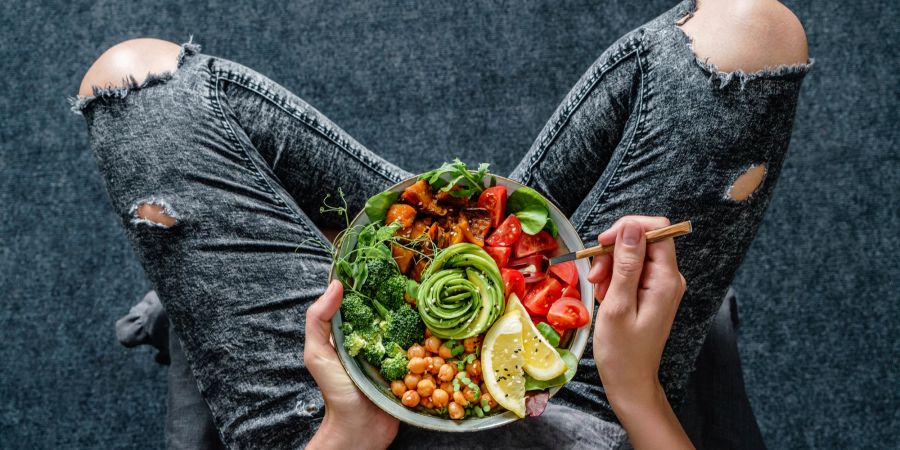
(542, 361)
(502, 363)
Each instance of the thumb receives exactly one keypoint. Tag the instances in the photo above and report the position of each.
(319, 314)
(628, 262)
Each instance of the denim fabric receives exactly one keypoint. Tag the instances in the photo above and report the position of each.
(417, 81)
(242, 164)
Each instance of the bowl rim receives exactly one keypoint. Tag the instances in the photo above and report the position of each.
(381, 397)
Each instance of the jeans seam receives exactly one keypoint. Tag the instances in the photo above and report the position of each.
(571, 107)
(214, 78)
(638, 127)
(292, 110)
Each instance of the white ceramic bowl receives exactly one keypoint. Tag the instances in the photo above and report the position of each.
(373, 386)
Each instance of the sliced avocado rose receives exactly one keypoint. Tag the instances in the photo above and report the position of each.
(461, 293)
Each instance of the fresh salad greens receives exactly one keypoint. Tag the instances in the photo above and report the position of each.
(532, 211)
(455, 174)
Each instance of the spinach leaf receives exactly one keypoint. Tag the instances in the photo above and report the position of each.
(533, 218)
(527, 204)
(377, 206)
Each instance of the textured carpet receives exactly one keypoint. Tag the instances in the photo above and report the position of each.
(416, 81)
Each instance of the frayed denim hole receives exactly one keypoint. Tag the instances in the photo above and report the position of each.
(129, 84)
(745, 185)
(725, 78)
(153, 212)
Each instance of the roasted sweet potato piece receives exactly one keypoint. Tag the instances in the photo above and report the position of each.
(446, 198)
(404, 213)
(419, 195)
(479, 220)
(403, 257)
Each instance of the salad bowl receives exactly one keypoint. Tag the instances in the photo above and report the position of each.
(370, 382)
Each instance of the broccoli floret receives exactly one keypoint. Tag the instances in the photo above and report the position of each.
(374, 351)
(378, 271)
(394, 366)
(356, 311)
(405, 327)
(391, 292)
(346, 328)
(355, 342)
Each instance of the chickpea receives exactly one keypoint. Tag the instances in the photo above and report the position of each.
(416, 365)
(429, 377)
(440, 398)
(456, 411)
(426, 402)
(445, 352)
(416, 351)
(428, 363)
(447, 372)
(398, 387)
(412, 380)
(433, 344)
(474, 368)
(487, 396)
(447, 387)
(410, 399)
(469, 395)
(425, 388)
(472, 343)
(436, 363)
(460, 399)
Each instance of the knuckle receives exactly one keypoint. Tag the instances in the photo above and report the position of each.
(615, 310)
(629, 265)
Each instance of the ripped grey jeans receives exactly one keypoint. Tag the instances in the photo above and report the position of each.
(242, 166)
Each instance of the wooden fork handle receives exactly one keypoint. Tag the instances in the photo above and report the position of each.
(671, 231)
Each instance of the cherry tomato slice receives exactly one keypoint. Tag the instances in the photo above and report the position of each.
(507, 234)
(494, 200)
(571, 291)
(500, 255)
(531, 244)
(513, 282)
(568, 313)
(532, 267)
(539, 299)
(566, 272)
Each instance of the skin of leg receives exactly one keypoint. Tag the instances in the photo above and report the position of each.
(646, 132)
(241, 261)
(133, 58)
(746, 35)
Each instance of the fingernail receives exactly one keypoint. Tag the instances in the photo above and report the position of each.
(631, 235)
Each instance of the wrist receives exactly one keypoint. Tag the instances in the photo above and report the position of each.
(638, 400)
(337, 434)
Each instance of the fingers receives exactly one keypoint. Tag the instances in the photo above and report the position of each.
(628, 263)
(608, 237)
(318, 321)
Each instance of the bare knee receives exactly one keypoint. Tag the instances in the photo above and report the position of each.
(135, 58)
(746, 35)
